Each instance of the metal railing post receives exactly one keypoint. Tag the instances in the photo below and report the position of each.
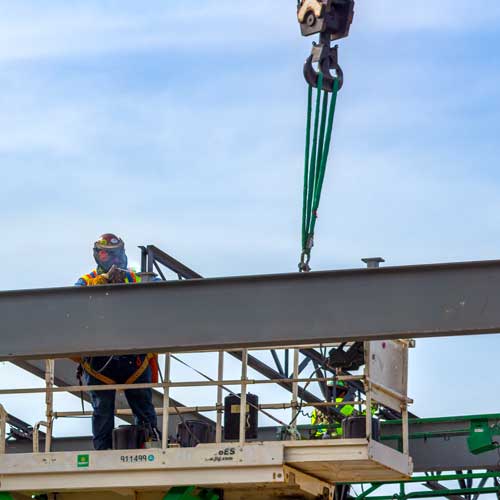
(368, 411)
(295, 392)
(150, 259)
(36, 435)
(3, 429)
(166, 402)
(49, 401)
(368, 391)
(405, 432)
(220, 378)
(243, 397)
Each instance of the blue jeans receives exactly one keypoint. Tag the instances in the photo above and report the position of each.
(120, 368)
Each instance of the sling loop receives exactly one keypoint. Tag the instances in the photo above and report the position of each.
(315, 160)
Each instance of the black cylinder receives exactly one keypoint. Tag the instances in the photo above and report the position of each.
(192, 432)
(125, 437)
(355, 427)
(232, 417)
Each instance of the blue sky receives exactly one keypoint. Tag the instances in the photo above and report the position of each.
(184, 127)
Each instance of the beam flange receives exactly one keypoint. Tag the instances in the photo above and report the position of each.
(252, 311)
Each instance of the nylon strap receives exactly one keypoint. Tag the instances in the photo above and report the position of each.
(315, 161)
(140, 370)
(97, 375)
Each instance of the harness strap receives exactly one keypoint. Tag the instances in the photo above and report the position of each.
(109, 381)
(140, 370)
(155, 369)
(97, 375)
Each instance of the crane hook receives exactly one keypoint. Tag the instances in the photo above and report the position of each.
(327, 59)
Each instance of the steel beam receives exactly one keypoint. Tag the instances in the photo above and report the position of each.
(151, 255)
(73, 443)
(435, 486)
(440, 444)
(20, 428)
(254, 311)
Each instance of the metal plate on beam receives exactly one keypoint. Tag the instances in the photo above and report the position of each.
(224, 313)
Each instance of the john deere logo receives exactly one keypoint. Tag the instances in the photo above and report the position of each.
(83, 461)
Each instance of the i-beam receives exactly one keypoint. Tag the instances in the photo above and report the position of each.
(252, 311)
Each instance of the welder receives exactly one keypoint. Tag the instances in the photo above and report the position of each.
(111, 259)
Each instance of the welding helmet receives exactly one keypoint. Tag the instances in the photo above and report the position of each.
(109, 250)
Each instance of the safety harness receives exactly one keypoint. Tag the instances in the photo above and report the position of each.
(151, 359)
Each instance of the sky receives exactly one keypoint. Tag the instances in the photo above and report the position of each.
(183, 126)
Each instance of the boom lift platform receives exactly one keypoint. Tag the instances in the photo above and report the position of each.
(297, 465)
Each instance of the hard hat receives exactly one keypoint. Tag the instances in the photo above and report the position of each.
(109, 241)
(339, 384)
(109, 250)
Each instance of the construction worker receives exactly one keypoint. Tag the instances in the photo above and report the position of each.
(319, 418)
(111, 260)
(342, 394)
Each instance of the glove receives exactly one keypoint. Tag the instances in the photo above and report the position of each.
(101, 279)
(115, 275)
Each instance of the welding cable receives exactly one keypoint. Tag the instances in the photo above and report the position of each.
(181, 418)
(300, 411)
(186, 426)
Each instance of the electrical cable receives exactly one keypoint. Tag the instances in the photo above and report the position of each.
(181, 418)
(302, 401)
(186, 426)
(229, 390)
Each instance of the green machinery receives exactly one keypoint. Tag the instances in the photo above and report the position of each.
(190, 493)
(467, 442)
(481, 436)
